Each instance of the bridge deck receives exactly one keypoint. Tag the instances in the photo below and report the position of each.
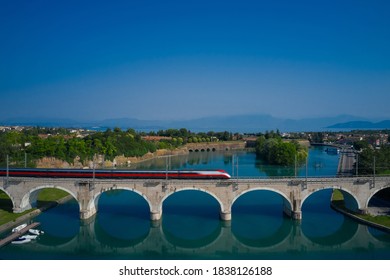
(346, 162)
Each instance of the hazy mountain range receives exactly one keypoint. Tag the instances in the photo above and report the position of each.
(238, 123)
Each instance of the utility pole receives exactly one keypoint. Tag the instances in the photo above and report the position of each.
(93, 171)
(237, 169)
(166, 167)
(295, 165)
(357, 164)
(232, 165)
(374, 170)
(235, 166)
(7, 168)
(306, 170)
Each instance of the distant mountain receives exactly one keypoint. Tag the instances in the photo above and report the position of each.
(238, 123)
(259, 123)
(44, 122)
(362, 125)
(132, 123)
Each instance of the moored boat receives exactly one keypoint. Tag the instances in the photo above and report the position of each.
(19, 228)
(332, 151)
(21, 240)
(36, 231)
(30, 236)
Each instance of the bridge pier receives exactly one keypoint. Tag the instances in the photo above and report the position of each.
(155, 215)
(225, 216)
(88, 213)
(86, 200)
(363, 211)
(18, 210)
(296, 215)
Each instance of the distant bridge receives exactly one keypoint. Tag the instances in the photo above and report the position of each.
(357, 191)
(215, 146)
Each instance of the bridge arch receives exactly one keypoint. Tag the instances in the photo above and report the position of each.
(350, 199)
(197, 212)
(287, 204)
(262, 189)
(29, 199)
(9, 195)
(93, 203)
(110, 228)
(222, 206)
(374, 193)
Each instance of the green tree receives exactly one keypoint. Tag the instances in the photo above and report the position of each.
(274, 151)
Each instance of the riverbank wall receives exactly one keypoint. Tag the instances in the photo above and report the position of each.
(334, 206)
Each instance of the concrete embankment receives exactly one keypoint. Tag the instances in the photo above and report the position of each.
(357, 218)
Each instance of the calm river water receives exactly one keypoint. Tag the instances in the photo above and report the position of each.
(191, 228)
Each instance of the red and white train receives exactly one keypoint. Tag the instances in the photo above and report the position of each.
(114, 174)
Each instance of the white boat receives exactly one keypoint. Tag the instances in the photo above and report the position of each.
(21, 240)
(36, 231)
(30, 236)
(19, 228)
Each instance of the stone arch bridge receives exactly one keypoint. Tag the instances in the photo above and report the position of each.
(215, 146)
(357, 191)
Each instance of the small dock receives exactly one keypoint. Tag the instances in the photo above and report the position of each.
(15, 235)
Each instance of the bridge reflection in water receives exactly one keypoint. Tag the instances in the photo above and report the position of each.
(122, 233)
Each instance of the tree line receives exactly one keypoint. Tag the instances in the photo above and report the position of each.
(368, 157)
(26, 146)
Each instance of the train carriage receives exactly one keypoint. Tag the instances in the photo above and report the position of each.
(114, 174)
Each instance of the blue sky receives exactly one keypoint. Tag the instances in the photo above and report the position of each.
(92, 60)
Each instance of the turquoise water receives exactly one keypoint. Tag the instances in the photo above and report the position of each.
(246, 164)
(191, 229)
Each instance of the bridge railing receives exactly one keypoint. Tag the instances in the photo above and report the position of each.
(241, 179)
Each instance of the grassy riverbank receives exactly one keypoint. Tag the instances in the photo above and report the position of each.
(46, 197)
(338, 203)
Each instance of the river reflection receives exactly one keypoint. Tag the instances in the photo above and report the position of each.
(123, 218)
(332, 228)
(52, 223)
(258, 219)
(191, 218)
